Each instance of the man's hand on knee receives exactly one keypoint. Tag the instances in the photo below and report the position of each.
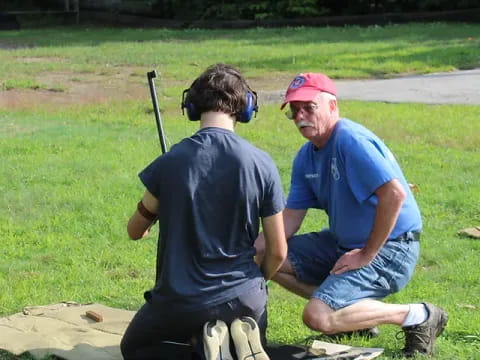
(351, 260)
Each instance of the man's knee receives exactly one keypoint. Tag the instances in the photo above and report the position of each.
(318, 316)
(318, 322)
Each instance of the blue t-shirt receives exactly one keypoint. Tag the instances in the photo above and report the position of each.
(341, 179)
(212, 188)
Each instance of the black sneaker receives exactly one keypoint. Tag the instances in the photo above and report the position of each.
(421, 338)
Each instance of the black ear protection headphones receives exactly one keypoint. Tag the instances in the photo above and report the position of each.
(245, 116)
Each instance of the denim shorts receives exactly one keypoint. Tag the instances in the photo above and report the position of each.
(313, 255)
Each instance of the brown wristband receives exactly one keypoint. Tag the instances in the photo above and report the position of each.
(145, 212)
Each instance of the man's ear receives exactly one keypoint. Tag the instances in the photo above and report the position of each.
(332, 104)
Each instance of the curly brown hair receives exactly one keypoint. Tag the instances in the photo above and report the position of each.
(220, 88)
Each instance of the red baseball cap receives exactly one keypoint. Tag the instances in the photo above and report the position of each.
(306, 86)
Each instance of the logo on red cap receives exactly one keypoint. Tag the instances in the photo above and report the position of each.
(305, 87)
(297, 82)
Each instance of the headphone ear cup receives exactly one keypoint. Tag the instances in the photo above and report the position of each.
(192, 113)
(250, 108)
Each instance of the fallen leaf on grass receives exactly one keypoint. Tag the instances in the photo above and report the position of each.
(413, 187)
(467, 306)
(473, 232)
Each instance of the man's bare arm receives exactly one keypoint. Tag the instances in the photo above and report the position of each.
(275, 244)
(292, 219)
(143, 217)
(391, 196)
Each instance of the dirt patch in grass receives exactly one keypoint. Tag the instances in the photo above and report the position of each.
(9, 45)
(69, 88)
(115, 84)
(35, 59)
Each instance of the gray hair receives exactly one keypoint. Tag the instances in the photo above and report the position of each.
(328, 96)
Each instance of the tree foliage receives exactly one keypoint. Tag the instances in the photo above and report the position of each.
(285, 9)
(249, 9)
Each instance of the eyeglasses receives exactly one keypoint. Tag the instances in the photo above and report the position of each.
(308, 108)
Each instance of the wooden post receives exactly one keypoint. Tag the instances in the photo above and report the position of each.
(67, 5)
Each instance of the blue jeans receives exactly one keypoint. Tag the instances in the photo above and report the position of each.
(155, 323)
(313, 255)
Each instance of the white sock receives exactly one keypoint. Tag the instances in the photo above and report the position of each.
(417, 314)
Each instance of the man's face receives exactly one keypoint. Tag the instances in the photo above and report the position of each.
(313, 118)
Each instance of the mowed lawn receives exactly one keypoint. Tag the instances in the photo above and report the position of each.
(68, 174)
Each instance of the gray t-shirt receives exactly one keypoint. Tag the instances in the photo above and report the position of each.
(212, 190)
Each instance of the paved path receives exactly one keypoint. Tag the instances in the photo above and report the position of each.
(456, 87)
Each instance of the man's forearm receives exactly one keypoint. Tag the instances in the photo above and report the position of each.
(292, 219)
(144, 217)
(270, 265)
(388, 208)
(275, 245)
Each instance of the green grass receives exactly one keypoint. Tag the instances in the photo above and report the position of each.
(341, 52)
(68, 175)
(68, 184)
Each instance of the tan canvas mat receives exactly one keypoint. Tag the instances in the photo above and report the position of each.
(65, 330)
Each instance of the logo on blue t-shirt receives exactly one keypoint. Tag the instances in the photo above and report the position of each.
(334, 169)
